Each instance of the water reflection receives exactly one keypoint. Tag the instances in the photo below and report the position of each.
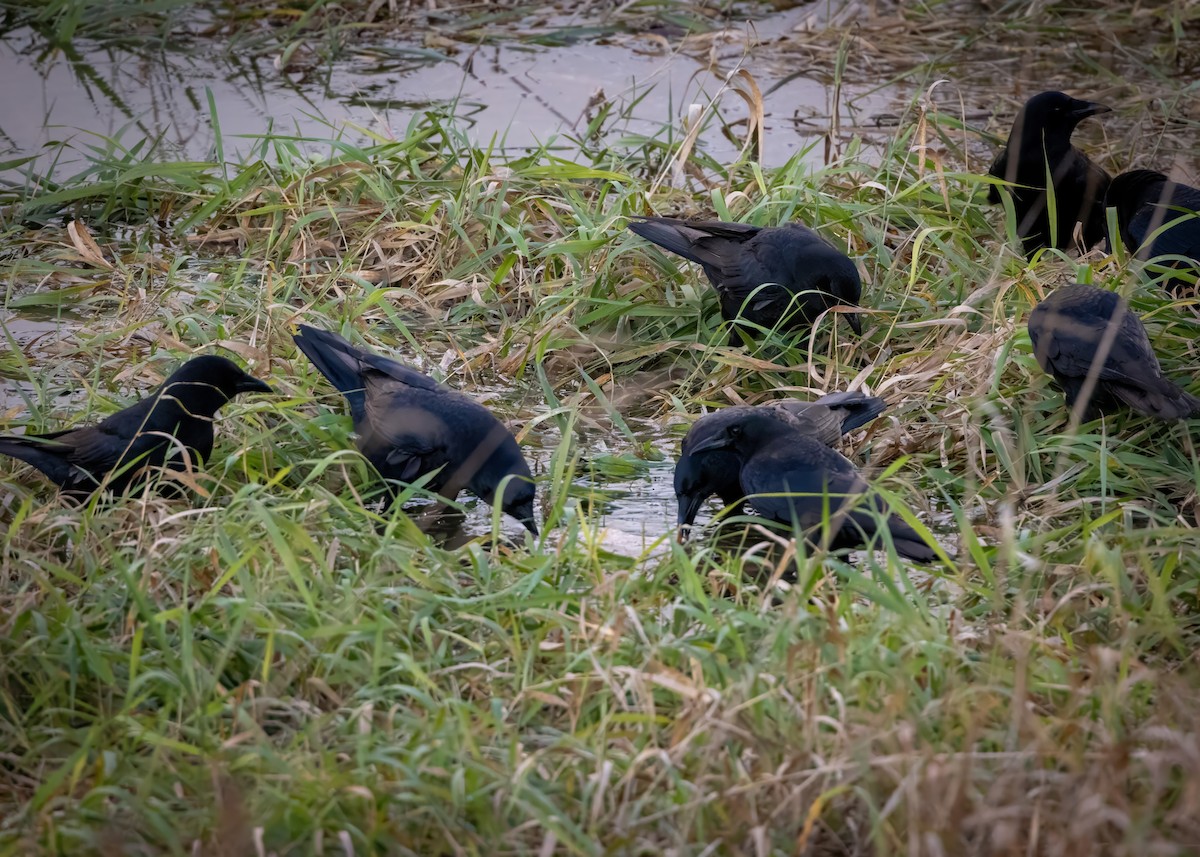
(20, 338)
(511, 95)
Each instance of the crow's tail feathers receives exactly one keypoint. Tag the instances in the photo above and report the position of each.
(339, 361)
(855, 408)
(1167, 403)
(675, 236)
(908, 541)
(914, 549)
(42, 453)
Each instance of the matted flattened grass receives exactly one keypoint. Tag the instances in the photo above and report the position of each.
(277, 666)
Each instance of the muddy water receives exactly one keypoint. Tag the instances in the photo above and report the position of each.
(642, 520)
(637, 516)
(511, 95)
(636, 519)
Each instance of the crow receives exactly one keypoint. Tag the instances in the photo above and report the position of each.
(408, 426)
(1040, 142)
(1157, 217)
(1097, 350)
(763, 275)
(171, 428)
(700, 475)
(794, 479)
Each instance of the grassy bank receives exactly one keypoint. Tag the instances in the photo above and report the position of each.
(274, 668)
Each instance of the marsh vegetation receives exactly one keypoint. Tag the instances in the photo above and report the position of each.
(276, 666)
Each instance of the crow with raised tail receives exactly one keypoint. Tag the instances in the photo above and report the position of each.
(409, 425)
(783, 276)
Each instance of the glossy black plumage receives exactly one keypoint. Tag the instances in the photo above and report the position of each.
(1082, 330)
(120, 450)
(763, 275)
(794, 479)
(1041, 139)
(698, 476)
(408, 425)
(1157, 217)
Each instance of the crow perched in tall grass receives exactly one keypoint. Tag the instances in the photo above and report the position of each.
(172, 428)
(1039, 147)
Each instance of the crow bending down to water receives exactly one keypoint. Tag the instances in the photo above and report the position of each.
(791, 478)
(408, 425)
(699, 475)
(172, 428)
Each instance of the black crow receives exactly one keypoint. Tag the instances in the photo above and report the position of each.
(1096, 348)
(700, 475)
(171, 428)
(1040, 144)
(408, 425)
(1147, 201)
(762, 275)
(791, 478)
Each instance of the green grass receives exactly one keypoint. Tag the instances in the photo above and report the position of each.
(274, 663)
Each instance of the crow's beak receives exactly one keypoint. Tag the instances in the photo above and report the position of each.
(717, 441)
(689, 505)
(523, 512)
(1084, 109)
(250, 384)
(855, 322)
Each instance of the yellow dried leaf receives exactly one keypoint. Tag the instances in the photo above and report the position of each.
(86, 246)
(674, 681)
(187, 478)
(246, 352)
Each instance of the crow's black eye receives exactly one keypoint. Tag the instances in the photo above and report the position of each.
(734, 431)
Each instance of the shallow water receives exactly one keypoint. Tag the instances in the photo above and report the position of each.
(637, 522)
(25, 335)
(514, 94)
